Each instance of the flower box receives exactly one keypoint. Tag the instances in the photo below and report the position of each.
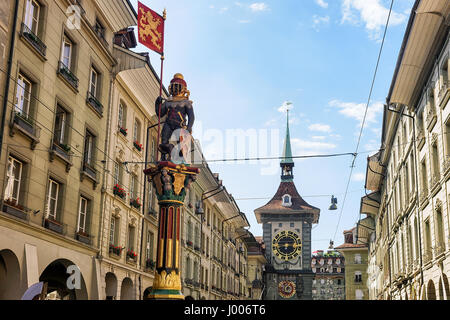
(17, 210)
(83, 237)
(189, 243)
(131, 255)
(137, 145)
(119, 191)
(135, 203)
(115, 250)
(53, 225)
(123, 131)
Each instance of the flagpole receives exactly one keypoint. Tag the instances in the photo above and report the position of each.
(160, 96)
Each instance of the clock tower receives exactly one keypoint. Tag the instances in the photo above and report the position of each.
(287, 220)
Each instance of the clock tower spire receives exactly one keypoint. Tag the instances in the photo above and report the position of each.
(287, 163)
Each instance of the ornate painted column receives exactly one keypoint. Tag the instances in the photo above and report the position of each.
(171, 182)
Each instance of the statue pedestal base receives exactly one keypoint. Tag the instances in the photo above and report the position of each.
(171, 182)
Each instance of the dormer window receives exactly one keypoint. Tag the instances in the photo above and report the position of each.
(287, 200)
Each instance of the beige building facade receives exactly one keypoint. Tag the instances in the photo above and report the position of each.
(214, 252)
(53, 144)
(409, 247)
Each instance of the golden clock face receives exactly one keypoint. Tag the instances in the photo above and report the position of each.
(286, 245)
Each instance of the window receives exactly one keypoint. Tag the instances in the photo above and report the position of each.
(121, 121)
(137, 131)
(149, 248)
(440, 230)
(118, 173)
(423, 168)
(150, 197)
(13, 180)
(292, 225)
(66, 52)
(357, 258)
(130, 244)
(93, 83)
(133, 186)
(287, 200)
(435, 160)
(52, 199)
(358, 276)
(113, 231)
(280, 225)
(32, 12)
(23, 96)
(61, 125)
(89, 148)
(82, 215)
(99, 29)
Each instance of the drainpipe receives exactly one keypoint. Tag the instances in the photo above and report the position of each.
(8, 73)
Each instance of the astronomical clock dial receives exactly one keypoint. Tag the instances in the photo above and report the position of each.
(286, 289)
(286, 245)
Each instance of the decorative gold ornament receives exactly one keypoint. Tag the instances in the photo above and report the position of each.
(164, 281)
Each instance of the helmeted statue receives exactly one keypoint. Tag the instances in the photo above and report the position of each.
(177, 107)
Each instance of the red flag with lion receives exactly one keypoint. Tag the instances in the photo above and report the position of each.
(150, 29)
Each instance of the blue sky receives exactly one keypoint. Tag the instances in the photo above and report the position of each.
(243, 60)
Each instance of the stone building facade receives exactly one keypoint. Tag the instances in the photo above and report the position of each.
(214, 251)
(355, 252)
(329, 280)
(80, 124)
(410, 245)
(53, 142)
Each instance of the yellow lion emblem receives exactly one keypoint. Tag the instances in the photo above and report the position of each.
(149, 27)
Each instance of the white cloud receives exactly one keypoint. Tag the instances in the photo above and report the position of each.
(322, 3)
(319, 127)
(372, 14)
(287, 105)
(307, 147)
(223, 10)
(317, 21)
(359, 176)
(372, 145)
(357, 110)
(244, 21)
(259, 6)
(239, 4)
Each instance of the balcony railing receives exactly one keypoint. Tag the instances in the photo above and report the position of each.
(94, 103)
(65, 72)
(33, 40)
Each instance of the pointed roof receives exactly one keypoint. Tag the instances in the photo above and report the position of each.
(287, 151)
(298, 206)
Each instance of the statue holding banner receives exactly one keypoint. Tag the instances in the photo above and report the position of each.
(180, 119)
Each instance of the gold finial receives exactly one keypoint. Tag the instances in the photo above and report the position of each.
(164, 14)
(178, 76)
